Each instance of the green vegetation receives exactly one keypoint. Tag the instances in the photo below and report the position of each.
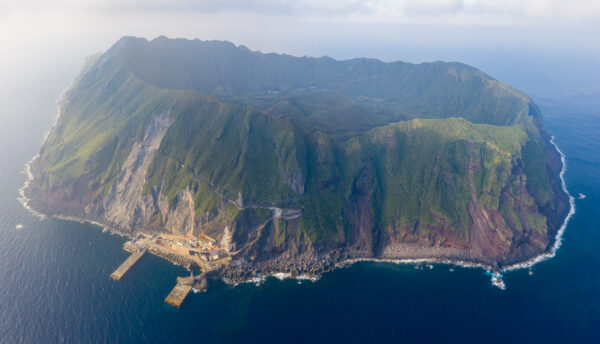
(395, 147)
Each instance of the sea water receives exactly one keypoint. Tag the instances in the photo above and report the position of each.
(55, 284)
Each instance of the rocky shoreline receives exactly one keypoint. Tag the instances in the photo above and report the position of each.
(311, 264)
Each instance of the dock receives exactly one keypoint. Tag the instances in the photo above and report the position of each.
(178, 294)
(127, 264)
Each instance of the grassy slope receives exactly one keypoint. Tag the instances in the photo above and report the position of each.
(97, 130)
(227, 148)
(416, 169)
(387, 91)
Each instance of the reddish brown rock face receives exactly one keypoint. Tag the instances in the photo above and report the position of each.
(298, 163)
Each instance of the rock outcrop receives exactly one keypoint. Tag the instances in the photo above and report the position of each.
(125, 204)
(298, 163)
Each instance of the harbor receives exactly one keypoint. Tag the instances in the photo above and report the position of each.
(200, 253)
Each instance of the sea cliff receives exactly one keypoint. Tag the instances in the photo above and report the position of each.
(300, 164)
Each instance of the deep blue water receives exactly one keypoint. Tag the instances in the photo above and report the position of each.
(55, 285)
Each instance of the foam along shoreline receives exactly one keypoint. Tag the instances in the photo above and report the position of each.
(25, 202)
(261, 278)
(558, 239)
(495, 275)
(419, 261)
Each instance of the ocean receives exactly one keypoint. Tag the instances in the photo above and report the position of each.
(55, 285)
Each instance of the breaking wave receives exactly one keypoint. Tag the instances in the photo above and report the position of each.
(496, 276)
(563, 227)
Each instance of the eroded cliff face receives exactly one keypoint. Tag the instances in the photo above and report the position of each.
(301, 178)
(128, 207)
(489, 236)
(271, 237)
(125, 204)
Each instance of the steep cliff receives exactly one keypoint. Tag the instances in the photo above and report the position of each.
(296, 163)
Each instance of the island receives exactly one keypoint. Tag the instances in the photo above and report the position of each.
(237, 164)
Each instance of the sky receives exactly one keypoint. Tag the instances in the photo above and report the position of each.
(544, 47)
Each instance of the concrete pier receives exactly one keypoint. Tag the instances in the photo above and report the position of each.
(127, 264)
(178, 294)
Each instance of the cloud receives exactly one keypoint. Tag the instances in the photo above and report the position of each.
(498, 35)
(491, 12)
(432, 7)
(283, 7)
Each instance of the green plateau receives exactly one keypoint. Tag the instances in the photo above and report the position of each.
(298, 163)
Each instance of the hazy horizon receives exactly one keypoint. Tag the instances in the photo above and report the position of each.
(445, 169)
(543, 47)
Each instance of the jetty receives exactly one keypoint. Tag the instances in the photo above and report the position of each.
(127, 264)
(180, 292)
(188, 250)
(183, 288)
